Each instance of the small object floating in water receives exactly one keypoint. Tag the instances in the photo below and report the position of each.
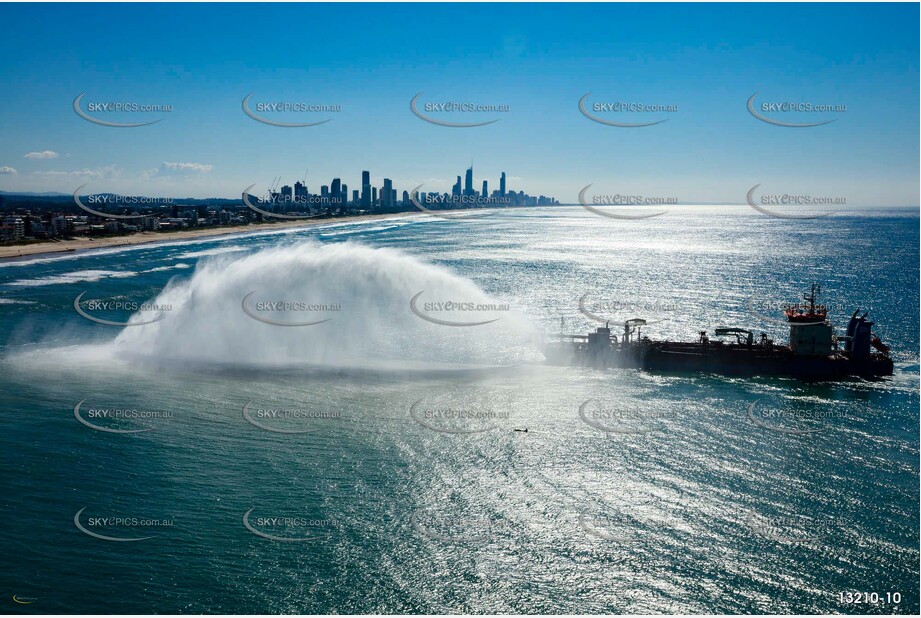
(525, 430)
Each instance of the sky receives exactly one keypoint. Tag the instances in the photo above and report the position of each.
(539, 60)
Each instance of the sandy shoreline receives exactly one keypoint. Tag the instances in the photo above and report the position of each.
(141, 238)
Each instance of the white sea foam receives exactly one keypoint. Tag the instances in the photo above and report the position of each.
(80, 276)
(210, 252)
(282, 232)
(158, 269)
(77, 276)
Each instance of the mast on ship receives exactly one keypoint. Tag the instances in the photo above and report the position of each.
(809, 312)
(811, 297)
(810, 332)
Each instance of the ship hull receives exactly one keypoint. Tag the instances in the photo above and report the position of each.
(726, 360)
(732, 360)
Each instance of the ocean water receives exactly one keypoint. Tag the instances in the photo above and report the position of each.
(376, 461)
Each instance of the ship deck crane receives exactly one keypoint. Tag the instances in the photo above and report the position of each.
(748, 339)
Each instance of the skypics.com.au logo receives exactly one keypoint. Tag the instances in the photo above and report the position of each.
(118, 109)
(604, 112)
(456, 308)
(293, 420)
(782, 203)
(793, 419)
(287, 528)
(125, 202)
(461, 413)
(119, 528)
(143, 312)
(294, 204)
(471, 207)
(596, 204)
(454, 110)
(266, 311)
(262, 111)
(117, 419)
(778, 108)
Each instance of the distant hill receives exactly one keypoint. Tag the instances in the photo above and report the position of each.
(33, 194)
(56, 197)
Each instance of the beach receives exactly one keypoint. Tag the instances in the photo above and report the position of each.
(141, 238)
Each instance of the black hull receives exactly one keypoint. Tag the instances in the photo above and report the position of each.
(731, 360)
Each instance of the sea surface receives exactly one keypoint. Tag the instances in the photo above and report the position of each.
(215, 456)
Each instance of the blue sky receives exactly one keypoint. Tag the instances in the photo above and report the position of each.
(539, 60)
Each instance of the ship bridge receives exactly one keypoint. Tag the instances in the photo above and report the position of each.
(811, 334)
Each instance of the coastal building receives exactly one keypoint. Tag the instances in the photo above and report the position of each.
(152, 224)
(366, 190)
(300, 192)
(387, 193)
(16, 227)
(335, 192)
(63, 225)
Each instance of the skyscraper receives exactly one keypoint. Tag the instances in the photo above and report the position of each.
(468, 182)
(335, 192)
(387, 194)
(300, 192)
(485, 193)
(366, 190)
(502, 185)
(456, 189)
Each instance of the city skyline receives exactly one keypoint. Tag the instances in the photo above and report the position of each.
(25, 218)
(708, 149)
(383, 196)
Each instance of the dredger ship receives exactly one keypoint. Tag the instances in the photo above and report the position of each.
(814, 352)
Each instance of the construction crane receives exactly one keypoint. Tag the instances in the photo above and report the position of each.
(738, 332)
(632, 325)
(273, 194)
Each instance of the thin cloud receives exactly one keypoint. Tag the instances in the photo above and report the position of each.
(108, 172)
(42, 154)
(187, 168)
(6, 170)
(173, 169)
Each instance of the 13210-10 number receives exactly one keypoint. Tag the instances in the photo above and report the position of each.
(870, 598)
